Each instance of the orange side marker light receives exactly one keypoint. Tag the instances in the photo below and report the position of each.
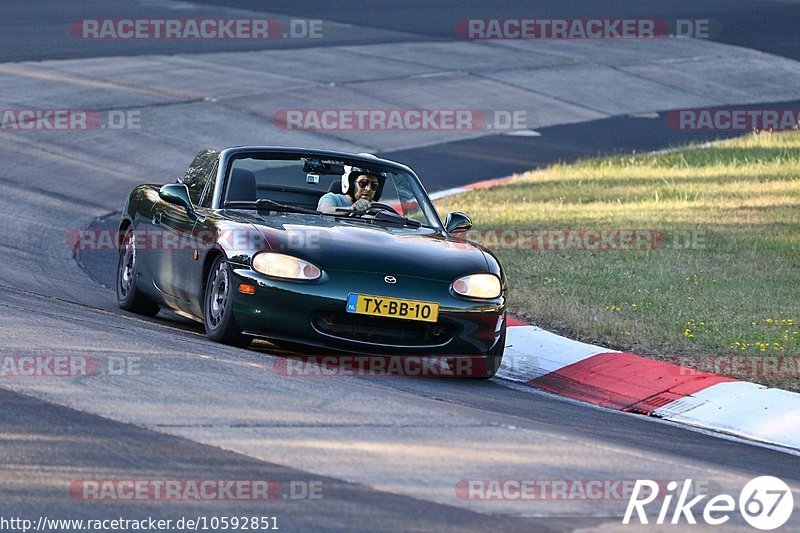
(246, 289)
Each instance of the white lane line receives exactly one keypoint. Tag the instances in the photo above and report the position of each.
(448, 192)
(523, 133)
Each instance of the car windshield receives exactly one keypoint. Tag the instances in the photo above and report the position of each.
(283, 184)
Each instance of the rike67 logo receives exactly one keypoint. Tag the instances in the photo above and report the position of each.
(766, 503)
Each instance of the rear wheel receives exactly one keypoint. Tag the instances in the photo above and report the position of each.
(218, 316)
(129, 297)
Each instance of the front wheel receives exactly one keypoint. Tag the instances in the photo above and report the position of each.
(129, 297)
(218, 316)
(495, 355)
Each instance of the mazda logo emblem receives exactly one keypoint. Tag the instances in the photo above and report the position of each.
(390, 279)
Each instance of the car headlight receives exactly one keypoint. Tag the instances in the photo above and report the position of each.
(478, 286)
(285, 266)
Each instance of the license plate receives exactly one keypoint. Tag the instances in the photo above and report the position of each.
(364, 304)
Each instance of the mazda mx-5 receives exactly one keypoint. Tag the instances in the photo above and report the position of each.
(241, 244)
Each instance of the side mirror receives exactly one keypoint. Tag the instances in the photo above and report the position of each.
(178, 194)
(457, 222)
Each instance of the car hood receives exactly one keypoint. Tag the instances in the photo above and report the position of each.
(341, 244)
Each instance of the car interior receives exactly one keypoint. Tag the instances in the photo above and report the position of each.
(286, 183)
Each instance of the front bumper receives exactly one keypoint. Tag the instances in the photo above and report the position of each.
(314, 314)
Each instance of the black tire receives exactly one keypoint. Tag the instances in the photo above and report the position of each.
(218, 316)
(495, 355)
(129, 297)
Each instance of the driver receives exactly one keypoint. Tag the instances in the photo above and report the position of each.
(359, 186)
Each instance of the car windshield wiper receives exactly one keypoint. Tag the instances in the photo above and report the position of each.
(377, 216)
(271, 205)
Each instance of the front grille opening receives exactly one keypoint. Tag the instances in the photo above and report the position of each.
(393, 331)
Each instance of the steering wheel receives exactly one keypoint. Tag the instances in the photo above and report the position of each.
(379, 206)
(374, 206)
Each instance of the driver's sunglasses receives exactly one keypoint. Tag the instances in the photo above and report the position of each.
(364, 182)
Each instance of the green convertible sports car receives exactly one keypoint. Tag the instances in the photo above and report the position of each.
(242, 243)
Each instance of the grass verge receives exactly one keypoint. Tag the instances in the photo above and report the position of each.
(704, 265)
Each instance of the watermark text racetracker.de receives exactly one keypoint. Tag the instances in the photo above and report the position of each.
(584, 28)
(247, 29)
(347, 365)
(587, 239)
(733, 119)
(547, 489)
(69, 119)
(401, 119)
(167, 240)
(43, 366)
(742, 366)
(202, 490)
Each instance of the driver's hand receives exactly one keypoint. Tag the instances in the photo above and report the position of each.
(361, 206)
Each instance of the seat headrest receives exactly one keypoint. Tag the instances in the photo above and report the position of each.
(242, 186)
(336, 187)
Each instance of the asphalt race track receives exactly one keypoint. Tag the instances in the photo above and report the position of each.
(347, 453)
(34, 30)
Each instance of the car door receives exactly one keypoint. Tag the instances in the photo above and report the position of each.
(204, 231)
(173, 224)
